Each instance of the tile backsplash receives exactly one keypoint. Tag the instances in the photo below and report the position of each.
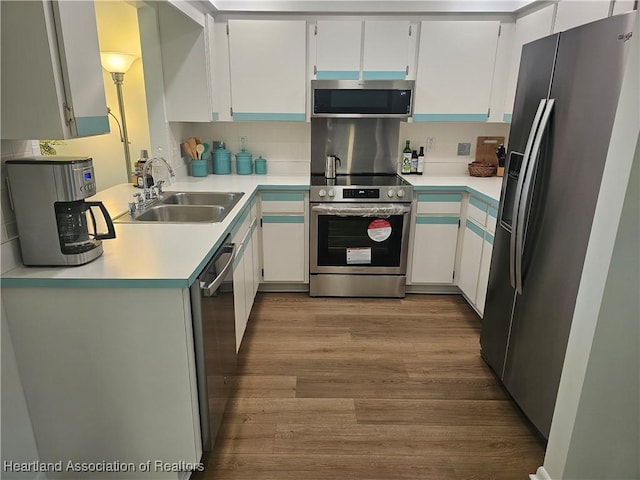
(9, 246)
(287, 145)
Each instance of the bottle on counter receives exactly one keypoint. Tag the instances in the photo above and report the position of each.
(421, 161)
(406, 158)
(140, 163)
(414, 162)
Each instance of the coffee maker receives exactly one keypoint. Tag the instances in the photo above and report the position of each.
(56, 225)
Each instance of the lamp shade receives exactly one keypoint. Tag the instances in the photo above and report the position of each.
(117, 62)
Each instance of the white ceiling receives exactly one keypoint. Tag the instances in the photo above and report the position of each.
(371, 6)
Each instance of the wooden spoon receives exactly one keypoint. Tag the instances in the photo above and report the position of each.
(199, 150)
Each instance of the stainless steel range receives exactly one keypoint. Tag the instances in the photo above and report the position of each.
(359, 233)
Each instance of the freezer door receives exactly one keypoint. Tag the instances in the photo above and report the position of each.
(534, 82)
(586, 85)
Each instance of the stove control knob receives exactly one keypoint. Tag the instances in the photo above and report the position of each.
(322, 193)
(400, 193)
(390, 193)
(332, 193)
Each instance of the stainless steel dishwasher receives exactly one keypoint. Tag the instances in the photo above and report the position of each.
(214, 339)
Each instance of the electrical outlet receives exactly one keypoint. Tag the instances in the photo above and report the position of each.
(242, 141)
(431, 144)
(464, 149)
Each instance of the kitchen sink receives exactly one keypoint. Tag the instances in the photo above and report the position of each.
(201, 198)
(183, 214)
(186, 207)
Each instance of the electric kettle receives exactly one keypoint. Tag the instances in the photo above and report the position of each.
(330, 166)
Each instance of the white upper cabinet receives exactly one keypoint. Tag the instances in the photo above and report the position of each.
(186, 66)
(455, 70)
(528, 28)
(370, 50)
(52, 84)
(338, 49)
(572, 13)
(268, 69)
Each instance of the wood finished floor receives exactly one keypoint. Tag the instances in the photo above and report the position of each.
(368, 389)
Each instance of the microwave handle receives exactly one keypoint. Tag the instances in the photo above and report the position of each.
(111, 231)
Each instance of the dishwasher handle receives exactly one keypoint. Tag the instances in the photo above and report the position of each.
(210, 290)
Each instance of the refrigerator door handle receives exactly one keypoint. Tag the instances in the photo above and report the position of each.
(524, 207)
(519, 186)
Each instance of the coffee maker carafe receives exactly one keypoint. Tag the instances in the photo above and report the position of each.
(56, 225)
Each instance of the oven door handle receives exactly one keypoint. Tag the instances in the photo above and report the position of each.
(363, 211)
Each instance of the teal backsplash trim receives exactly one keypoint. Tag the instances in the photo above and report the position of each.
(260, 117)
(437, 220)
(284, 187)
(384, 75)
(87, 126)
(488, 237)
(478, 203)
(439, 197)
(493, 212)
(475, 229)
(282, 197)
(450, 117)
(338, 75)
(507, 117)
(282, 219)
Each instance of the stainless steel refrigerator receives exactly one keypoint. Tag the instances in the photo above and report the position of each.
(565, 105)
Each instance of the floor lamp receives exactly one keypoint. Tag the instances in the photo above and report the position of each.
(117, 64)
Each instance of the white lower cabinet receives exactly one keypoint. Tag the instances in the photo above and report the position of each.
(245, 280)
(435, 238)
(476, 250)
(470, 258)
(284, 237)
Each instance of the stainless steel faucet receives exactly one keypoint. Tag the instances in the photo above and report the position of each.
(145, 171)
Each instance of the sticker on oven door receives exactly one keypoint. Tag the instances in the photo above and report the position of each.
(359, 256)
(379, 230)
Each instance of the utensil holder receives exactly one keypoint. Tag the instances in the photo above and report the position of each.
(199, 168)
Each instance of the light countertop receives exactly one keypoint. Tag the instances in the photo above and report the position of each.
(172, 255)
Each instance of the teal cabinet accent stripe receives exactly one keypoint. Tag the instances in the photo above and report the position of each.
(507, 117)
(86, 126)
(475, 229)
(485, 198)
(488, 237)
(280, 117)
(338, 75)
(450, 117)
(384, 75)
(437, 220)
(282, 219)
(282, 197)
(493, 212)
(478, 203)
(440, 197)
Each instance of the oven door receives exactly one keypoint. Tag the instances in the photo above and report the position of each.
(359, 238)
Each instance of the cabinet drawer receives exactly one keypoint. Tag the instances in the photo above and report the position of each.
(283, 202)
(477, 211)
(439, 203)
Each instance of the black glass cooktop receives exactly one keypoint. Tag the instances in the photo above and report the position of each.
(359, 181)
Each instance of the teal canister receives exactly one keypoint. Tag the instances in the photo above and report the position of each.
(221, 160)
(261, 166)
(244, 163)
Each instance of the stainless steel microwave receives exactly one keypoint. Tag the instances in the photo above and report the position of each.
(362, 98)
